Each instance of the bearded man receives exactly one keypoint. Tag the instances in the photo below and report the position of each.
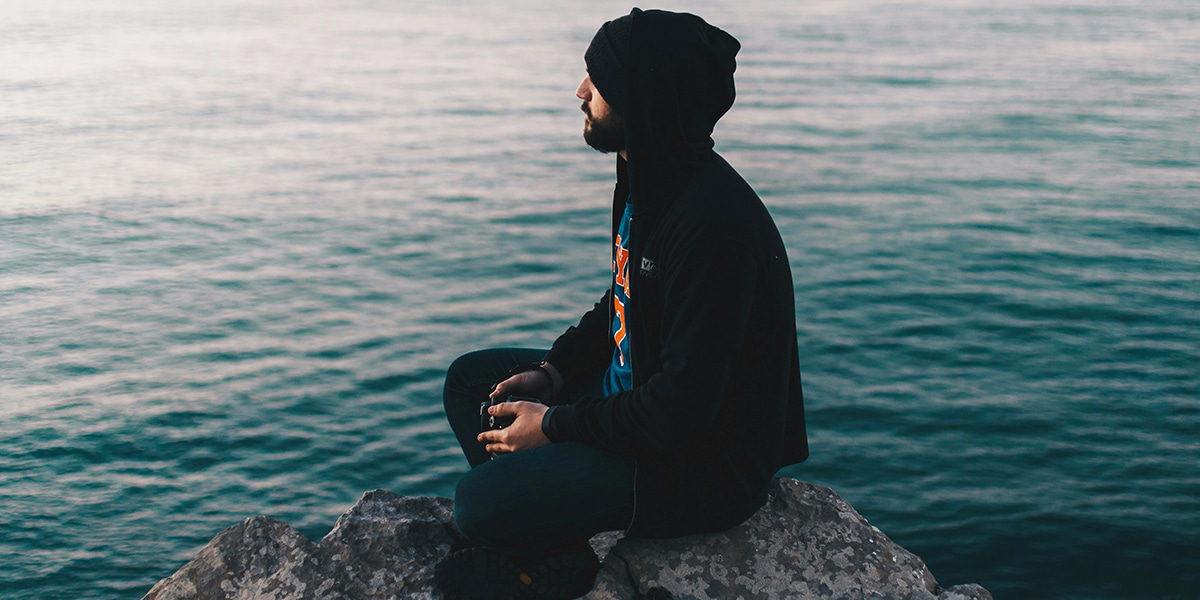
(671, 404)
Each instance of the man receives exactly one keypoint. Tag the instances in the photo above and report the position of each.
(668, 408)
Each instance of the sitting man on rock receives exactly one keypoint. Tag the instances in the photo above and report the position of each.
(668, 408)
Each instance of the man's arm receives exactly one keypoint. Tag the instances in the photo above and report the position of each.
(709, 295)
(578, 347)
(587, 347)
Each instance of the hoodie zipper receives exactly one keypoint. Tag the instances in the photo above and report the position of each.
(632, 374)
(633, 513)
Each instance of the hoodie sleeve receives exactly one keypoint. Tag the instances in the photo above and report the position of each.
(585, 347)
(710, 289)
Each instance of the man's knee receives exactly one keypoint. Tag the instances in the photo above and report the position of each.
(461, 366)
(463, 379)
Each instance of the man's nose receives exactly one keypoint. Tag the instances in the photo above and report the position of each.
(583, 92)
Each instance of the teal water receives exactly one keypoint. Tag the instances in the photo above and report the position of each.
(241, 241)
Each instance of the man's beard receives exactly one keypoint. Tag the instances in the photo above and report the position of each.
(607, 134)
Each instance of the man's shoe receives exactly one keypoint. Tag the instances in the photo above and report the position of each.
(483, 574)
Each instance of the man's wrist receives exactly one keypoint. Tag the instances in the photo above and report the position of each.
(556, 379)
(548, 425)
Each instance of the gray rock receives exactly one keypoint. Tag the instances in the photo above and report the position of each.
(805, 543)
(968, 591)
(385, 547)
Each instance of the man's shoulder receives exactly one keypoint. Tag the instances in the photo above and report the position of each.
(719, 197)
(715, 181)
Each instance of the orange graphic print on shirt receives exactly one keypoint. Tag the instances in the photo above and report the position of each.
(619, 376)
(621, 272)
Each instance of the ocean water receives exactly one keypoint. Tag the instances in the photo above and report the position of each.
(241, 240)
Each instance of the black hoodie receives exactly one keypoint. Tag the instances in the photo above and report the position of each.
(716, 406)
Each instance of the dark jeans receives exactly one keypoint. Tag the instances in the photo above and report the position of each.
(530, 502)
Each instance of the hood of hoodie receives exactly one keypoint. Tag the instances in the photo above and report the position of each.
(680, 83)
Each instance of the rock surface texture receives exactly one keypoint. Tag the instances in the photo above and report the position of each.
(805, 543)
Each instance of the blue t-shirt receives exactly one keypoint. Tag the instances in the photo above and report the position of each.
(620, 373)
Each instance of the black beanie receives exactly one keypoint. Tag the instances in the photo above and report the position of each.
(607, 60)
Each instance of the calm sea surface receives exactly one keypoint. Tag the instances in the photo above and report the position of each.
(241, 240)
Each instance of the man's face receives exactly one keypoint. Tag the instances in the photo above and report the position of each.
(603, 129)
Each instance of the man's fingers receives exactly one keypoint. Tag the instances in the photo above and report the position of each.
(509, 386)
(507, 409)
(493, 441)
(527, 383)
(525, 431)
(500, 389)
